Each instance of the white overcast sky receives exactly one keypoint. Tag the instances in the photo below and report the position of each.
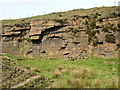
(15, 9)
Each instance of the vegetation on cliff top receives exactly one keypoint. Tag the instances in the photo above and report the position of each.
(104, 10)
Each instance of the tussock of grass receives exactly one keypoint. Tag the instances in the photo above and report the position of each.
(83, 73)
(97, 83)
(76, 83)
(57, 74)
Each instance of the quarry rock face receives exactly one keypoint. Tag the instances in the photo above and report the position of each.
(80, 35)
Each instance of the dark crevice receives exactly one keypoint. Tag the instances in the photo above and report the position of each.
(17, 35)
(13, 35)
(110, 38)
(62, 48)
(58, 32)
(56, 37)
(25, 29)
(100, 43)
(43, 51)
(66, 53)
(66, 31)
(29, 52)
(7, 35)
(36, 41)
(46, 32)
(97, 27)
(7, 40)
(76, 43)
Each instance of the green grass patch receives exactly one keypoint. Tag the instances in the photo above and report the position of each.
(92, 73)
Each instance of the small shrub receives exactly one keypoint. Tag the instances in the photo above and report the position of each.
(36, 70)
(57, 85)
(100, 20)
(57, 74)
(78, 73)
(76, 83)
(92, 23)
(60, 68)
(20, 58)
(95, 41)
(105, 29)
(89, 72)
(110, 38)
(86, 22)
(83, 73)
(19, 40)
(97, 83)
(28, 68)
(75, 31)
(58, 71)
(113, 83)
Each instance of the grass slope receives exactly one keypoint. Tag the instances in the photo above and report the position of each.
(55, 15)
(91, 73)
(16, 76)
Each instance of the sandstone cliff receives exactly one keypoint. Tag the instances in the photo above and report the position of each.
(95, 33)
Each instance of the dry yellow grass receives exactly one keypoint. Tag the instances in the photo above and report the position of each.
(76, 83)
(56, 74)
(97, 83)
(83, 73)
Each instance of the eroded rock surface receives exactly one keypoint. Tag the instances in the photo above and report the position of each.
(79, 35)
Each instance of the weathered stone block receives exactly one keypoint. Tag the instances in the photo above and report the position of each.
(34, 37)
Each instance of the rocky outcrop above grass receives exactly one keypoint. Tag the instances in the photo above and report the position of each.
(75, 35)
